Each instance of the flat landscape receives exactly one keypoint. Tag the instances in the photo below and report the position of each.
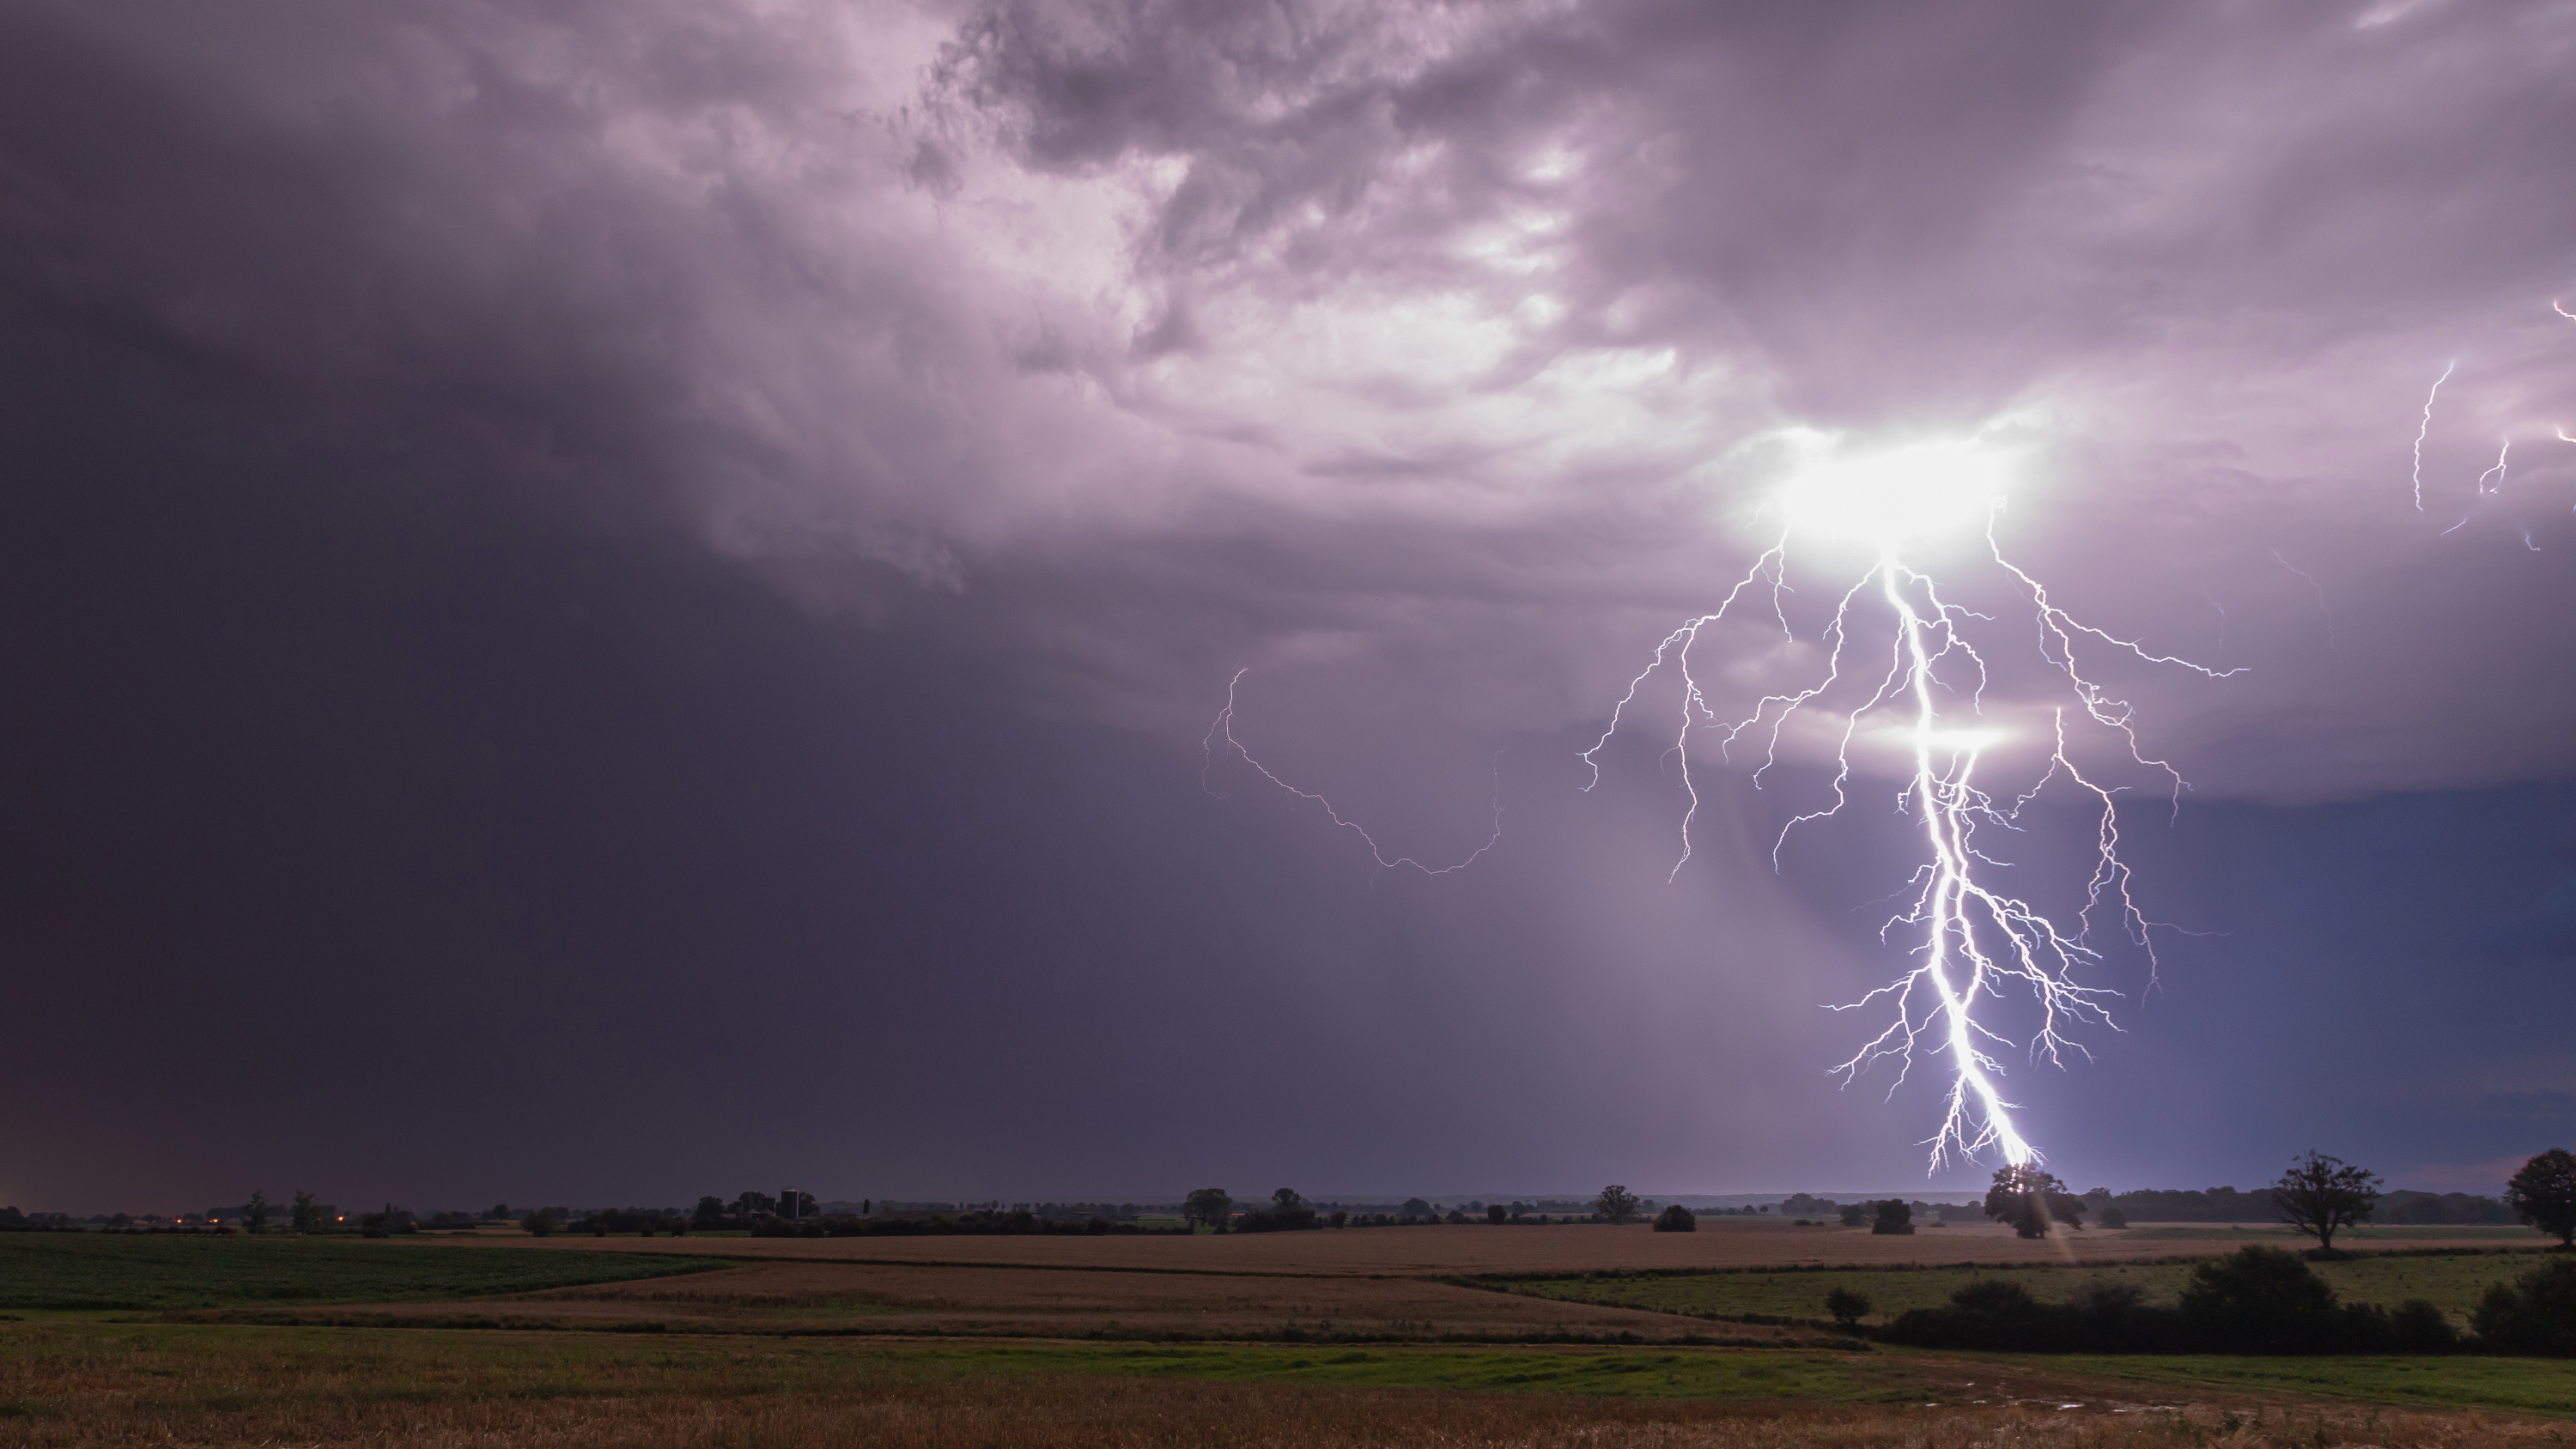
(1480, 1249)
(1529, 1337)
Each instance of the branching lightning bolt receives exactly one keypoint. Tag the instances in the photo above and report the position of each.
(1973, 941)
(2497, 472)
(1224, 726)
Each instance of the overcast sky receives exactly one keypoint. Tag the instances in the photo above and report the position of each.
(612, 601)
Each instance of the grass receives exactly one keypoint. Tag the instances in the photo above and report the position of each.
(2390, 1233)
(2529, 1385)
(67, 1384)
(101, 1271)
(2452, 1281)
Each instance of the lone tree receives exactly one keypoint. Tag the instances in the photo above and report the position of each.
(2543, 1194)
(1209, 1207)
(307, 1216)
(1848, 1306)
(1617, 1204)
(1895, 1219)
(2321, 1196)
(259, 1206)
(2030, 1200)
(1676, 1219)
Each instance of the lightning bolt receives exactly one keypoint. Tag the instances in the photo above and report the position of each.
(1915, 655)
(1224, 727)
(2496, 472)
(2425, 428)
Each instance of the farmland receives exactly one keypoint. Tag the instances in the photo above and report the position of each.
(2452, 1280)
(1313, 1338)
(97, 1271)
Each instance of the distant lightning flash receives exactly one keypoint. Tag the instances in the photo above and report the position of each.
(1224, 727)
(1972, 939)
(2425, 428)
(2497, 472)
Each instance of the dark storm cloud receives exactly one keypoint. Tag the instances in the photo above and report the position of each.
(670, 562)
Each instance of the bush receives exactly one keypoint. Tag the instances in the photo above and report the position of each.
(2536, 1313)
(1676, 1219)
(2419, 1327)
(2265, 1300)
(1997, 1313)
(1848, 1306)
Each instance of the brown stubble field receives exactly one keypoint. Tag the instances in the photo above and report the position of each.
(793, 1296)
(77, 1388)
(1451, 1251)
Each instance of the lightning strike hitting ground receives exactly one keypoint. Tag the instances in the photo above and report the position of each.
(1919, 667)
(1224, 726)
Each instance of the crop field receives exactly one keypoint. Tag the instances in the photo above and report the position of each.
(2452, 1280)
(337, 1342)
(72, 1271)
(1465, 1250)
(67, 1386)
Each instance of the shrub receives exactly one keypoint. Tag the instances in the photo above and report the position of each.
(2264, 1300)
(1848, 1306)
(1997, 1313)
(2536, 1313)
(2419, 1327)
(1676, 1219)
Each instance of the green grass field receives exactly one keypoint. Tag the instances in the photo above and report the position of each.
(2525, 1385)
(2452, 1281)
(2356, 1237)
(99, 1271)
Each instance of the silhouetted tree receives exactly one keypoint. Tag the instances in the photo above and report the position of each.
(1848, 1306)
(2543, 1194)
(259, 1206)
(1676, 1219)
(540, 1222)
(1616, 1204)
(1498, 1214)
(1855, 1213)
(306, 1217)
(1895, 1218)
(1209, 1206)
(2030, 1200)
(2321, 1196)
(710, 1213)
(1415, 1207)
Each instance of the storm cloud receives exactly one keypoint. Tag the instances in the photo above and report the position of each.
(762, 502)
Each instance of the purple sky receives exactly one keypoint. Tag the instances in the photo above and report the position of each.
(607, 602)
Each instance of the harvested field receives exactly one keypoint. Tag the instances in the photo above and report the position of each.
(1451, 1250)
(70, 1387)
(908, 1299)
